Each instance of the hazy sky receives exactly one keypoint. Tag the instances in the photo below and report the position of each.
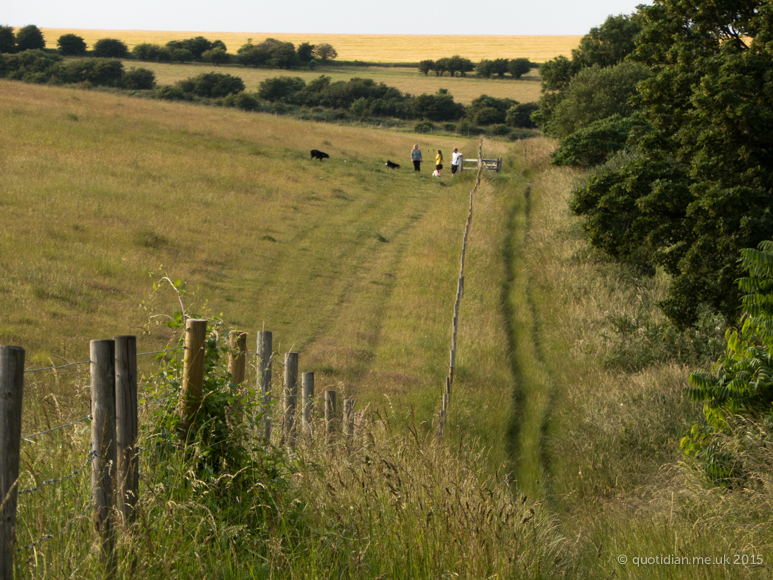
(320, 16)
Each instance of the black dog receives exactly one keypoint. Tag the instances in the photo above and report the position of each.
(391, 165)
(319, 155)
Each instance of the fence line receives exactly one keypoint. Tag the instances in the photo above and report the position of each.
(33, 435)
(449, 381)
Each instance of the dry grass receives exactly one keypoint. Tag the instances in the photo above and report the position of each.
(364, 47)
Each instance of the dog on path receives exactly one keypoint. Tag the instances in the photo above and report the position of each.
(391, 165)
(315, 154)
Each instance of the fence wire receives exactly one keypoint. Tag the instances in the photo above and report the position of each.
(51, 535)
(83, 362)
(89, 458)
(58, 428)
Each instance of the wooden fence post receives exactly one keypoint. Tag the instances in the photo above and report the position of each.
(193, 370)
(126, 426)
(264, 378)
(237, 359)
(11, 392)
(330, 411)
(103, 446)
(308, 404)
(349, 418)
(290, 395)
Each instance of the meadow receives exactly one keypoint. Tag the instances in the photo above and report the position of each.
(561, 452)
(410, 80)
(388, 48)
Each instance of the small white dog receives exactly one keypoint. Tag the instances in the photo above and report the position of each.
(435, 173)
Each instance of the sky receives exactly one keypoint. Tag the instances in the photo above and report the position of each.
(500, 17)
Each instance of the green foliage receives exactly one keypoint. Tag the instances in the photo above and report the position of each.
(594, 143)
(325, 52)
(96, 71)
(32, 66)
(196, 46)
(359, 108)
(426, 65)
(305, 52)
(423, 127)
(172, 93)
(696, 188)
(152, 52)
(212, 85)
(742, 381)
(520, 116)
(110, 48)
(216, 56)
(486, 110)
(7, 40)
(596, 93)
(438, 107)
(140, 79)
(518, 67)
(242, 101)
(279, 88)
(30, 38)
(71, 45)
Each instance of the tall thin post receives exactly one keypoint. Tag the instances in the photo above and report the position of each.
(126, 425)
(237, 359)
(349, 418)
(330, 411)
(11, 391)
(193, 371)
(308, 403)
(264, 378)
(102, 355)
(290, 395)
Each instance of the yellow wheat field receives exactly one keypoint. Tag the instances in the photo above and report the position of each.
(366, 47)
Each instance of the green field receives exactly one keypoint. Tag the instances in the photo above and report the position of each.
(556, 461)
(409, 80)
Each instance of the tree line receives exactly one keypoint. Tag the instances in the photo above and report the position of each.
(456, 64)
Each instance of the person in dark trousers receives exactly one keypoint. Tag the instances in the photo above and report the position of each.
(416, 158)
(455, 158)
(438, 162)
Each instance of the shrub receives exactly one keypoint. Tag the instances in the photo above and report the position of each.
(110, 48)
(171, 93)
(426, 65)
(423, 127)
(325, 52)
(140, 79)
(520, 115)
(518, 67)
(278, 88)
(146, 51)
(499, 130)
(181, 55)
(30, 38)
(71, 45)
(592, 145)
(212, 85)
(31, 61)
(488, 116)
(245, 102)
(216, 56)
(466, 127)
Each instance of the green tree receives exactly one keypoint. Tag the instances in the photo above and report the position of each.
(518, 67)
(146, 51)
(594, 143)
(696, 188)
(520, 116)
(7, 40)
(212, 85)
(139, 79)
(110, 48)
(426, 65)
(594, 94)
(325, 52)
(499, 66)
(610, 43)
(181, 55)
(216, 56)
(30, 38)
(278, 88)
(71, 45)
(305, 52)
(485, 68)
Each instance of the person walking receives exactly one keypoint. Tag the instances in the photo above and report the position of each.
(416, 158)
(438, 162)
(455, 159)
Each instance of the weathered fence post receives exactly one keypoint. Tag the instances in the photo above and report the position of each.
(264, 378)
(290, 395)
(11, 391)
(193, 370)
(330, 411)
(103, 447)
(348, 419)
(308, 404)
(237, 359)
(126, 425)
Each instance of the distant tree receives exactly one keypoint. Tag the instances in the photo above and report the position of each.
(518, 67)
(164, 54)
(438, 107)
(278, 88)
(305, 52)
(282, 55)
(198, 46)
(212, 85)
(595, 143)
(181, 55)
(485, 68)
(216, 56)
(71, 45)
(359, 108)
(325, 52)
(140, 79)
(610, 43)
(146, 51)
(458, 64)
(7, 40)
(30, 38)
(520, 116)
(499, 66)
(426, 65)
(218, 44)
(110, 48)
(441, 66)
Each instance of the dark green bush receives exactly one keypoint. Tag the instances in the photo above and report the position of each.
(279, 88)
(71, 45)
(30, 38)
(110, 48)
(423, 127)
(140, 79)
(592, 145)
(212, 85)
(7, 40)
(500, 130)
(520, 115)
(171, 93)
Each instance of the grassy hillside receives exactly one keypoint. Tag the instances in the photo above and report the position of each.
(364, 47)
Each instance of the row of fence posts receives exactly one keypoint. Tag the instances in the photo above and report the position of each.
(114, 427)
(446, 398)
